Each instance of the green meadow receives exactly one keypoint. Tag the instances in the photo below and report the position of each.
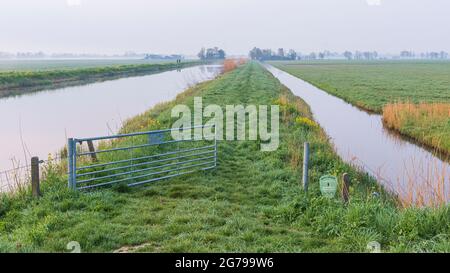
(7, 65)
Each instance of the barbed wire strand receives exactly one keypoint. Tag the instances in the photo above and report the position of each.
(55, 158)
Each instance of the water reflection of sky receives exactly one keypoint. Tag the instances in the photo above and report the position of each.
(44, 120)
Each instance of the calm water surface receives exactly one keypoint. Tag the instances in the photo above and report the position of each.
(38, 124)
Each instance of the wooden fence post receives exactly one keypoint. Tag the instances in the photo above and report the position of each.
(305, 166)
(36, 191)
(345, 187)
(92, 151)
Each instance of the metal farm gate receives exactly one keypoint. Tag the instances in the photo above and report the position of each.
(138, 158)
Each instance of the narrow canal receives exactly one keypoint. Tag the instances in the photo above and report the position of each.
(39, 123)
(407, 169)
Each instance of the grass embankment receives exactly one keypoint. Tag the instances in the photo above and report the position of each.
(251, 202)
(20, 82)
(412, 96)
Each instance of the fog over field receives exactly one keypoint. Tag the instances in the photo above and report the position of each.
(168, 26)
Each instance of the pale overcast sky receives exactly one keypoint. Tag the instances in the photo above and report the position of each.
(184, 26)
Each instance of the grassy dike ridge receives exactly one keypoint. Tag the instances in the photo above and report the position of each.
(14, 83)
(251, 203)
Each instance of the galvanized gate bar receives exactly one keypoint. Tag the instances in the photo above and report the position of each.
(142, 133)
(126, 148)
(144, 157)
(143, 170)
(146, 175)
(71, 147)
(141, 164)
(155, 167)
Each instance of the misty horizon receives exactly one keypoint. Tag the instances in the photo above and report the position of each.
(132, 54)
(183, 27)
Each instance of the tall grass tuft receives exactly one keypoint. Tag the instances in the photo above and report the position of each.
(428, 123)
(232, 64)
(425, 185)
(396, 115)
(15, 180)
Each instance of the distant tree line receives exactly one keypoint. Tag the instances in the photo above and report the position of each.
(268, 54)
(128, 54)
(361, 55)
(214, 53)
(424, 55)
(163, 57)
(442, 55)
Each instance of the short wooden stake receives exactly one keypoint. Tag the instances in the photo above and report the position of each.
(92, 151)
(345, 193)
(36, 191)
